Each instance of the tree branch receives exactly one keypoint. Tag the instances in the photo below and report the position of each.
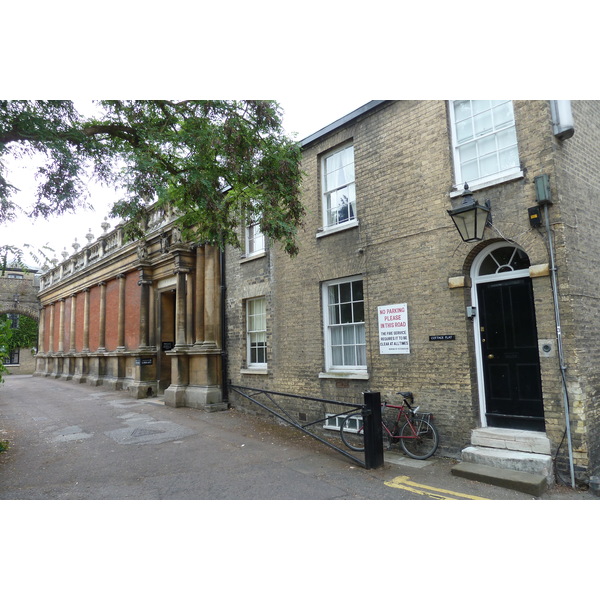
(129, 134)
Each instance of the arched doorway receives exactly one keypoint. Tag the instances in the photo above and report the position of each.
(506, 342)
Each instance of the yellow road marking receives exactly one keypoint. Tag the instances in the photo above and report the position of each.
(403, 482)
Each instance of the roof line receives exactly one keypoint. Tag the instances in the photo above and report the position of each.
(341, 122)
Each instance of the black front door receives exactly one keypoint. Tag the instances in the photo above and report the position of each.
(510, 355)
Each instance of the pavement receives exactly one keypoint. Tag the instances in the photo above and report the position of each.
(70, 441)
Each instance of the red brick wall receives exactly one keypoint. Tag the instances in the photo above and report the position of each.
(79, 312)
(94, 317)
(132, 311)
(67, 325)
(112, 314)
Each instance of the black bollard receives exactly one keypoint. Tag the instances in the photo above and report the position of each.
(372, 430)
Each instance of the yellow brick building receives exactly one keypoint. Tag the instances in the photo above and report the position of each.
(499, 335)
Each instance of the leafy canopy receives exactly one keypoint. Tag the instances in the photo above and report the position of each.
(215, 163)
(25, 335)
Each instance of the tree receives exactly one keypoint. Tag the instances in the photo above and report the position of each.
(24, 335)
(215, 163)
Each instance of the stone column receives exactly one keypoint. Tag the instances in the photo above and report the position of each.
(152, 318)
(145, 282)
(51, 336)
(199, 299)
(72, 346)
(102, 316)
(121, 317)
(211, 289)
(61, 325)
(180, 307)
(86, 320)
(189, 305)
(42, 331)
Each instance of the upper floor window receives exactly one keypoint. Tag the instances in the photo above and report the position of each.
(255, 239)
(344, 317)
(14, 276)
(484, 140)
(339, 197)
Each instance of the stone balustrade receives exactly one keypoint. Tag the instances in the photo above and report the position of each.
(109, 242)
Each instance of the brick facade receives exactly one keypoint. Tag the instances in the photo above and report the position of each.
(406, 250)
(141, 316)
(147, 317)
(18, 295)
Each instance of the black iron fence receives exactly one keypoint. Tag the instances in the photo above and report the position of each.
(370, 411)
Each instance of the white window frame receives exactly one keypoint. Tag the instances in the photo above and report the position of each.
(253, 332)
(334, 422)
(326, 190)
(337, 370)
(256, 238)
(479, 182)
(253, 236)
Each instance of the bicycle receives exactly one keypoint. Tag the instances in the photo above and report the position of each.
(416, 433)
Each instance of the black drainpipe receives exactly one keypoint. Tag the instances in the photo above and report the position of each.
(224, 380)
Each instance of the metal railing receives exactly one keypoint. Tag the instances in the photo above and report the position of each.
(370, 411)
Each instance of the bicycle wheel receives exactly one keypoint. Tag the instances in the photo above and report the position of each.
(351, 434)
(421, 439)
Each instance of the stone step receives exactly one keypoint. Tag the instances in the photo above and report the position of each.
(527, 462)
(511, 439)
(528, 483)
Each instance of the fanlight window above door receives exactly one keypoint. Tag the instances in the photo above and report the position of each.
(503, 260)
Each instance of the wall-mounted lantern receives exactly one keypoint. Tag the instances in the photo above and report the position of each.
(471, 217)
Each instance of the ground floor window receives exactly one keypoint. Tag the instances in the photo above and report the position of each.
(335, 422)
(256, 332)
(13, 358)
(344, 318)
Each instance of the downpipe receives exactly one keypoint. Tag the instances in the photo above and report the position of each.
(561, 356)
(223, 290)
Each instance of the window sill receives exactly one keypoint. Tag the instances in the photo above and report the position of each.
(336, 228)
(344, 375)
(485, 183)
(245, 258)
(257, 371)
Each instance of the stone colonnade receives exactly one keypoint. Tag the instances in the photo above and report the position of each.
(112, 329)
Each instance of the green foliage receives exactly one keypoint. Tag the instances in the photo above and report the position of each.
(48, 131)
(24, 336)
(5, 339)
(4, 444)
(215, 163)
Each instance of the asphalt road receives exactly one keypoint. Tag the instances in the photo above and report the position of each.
(72, 441)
